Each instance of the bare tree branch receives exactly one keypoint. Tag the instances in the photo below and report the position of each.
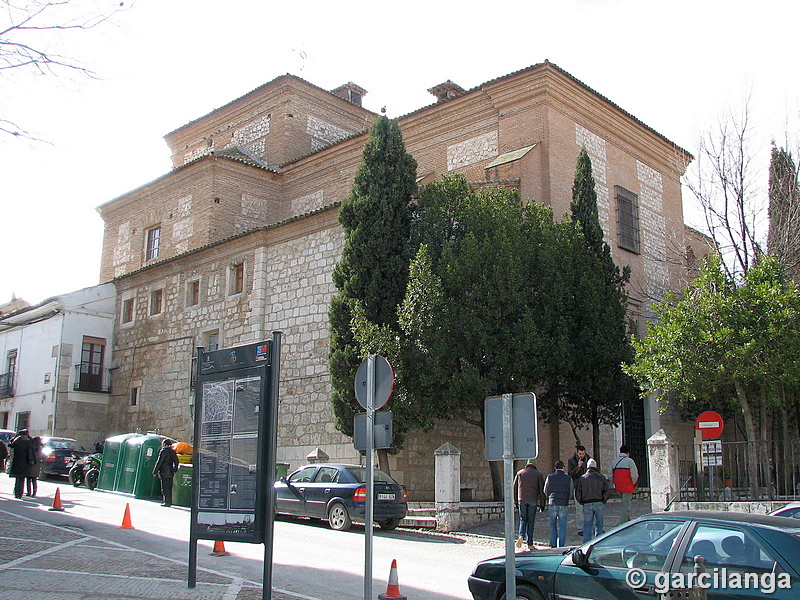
(724, 183)
(31, 29)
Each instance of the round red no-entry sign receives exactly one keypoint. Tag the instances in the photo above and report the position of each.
(709, 424)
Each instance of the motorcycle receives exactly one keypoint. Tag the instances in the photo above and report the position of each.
(85, 470)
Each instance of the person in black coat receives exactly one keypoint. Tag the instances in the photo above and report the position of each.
(22, 460)
(165, 468)
(35, 468)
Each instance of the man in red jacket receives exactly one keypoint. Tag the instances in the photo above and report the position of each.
(624, 474)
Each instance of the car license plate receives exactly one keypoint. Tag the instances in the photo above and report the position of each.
(385, 496)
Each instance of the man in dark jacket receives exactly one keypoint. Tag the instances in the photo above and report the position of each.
(593, 492)
(21, 461)
(529, 496)
(166, 467)
(558, 489)
(576, 467)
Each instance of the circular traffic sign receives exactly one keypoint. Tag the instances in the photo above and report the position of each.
(709, 424)
(384, 383)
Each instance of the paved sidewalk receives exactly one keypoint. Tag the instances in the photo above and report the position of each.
(541, 530)
(50, 562)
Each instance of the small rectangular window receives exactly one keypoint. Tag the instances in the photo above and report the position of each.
(127, 310)
(193, 293)
(628, 219)
(23, 420)
(236, 279)
(156, 302)
(134, 396)
(153, 239)
(211, 340)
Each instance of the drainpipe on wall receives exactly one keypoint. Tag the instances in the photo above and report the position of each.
(57, 375)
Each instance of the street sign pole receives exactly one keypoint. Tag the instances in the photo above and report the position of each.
(508, 474)
(370, 477)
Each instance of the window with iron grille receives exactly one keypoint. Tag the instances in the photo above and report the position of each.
(153, 239)
(90, 374)
(628, 219)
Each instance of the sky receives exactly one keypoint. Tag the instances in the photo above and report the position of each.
(159, 64)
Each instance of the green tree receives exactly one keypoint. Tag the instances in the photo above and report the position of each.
(718, 340)
(372, 274)
(594, 382)
(475, 318)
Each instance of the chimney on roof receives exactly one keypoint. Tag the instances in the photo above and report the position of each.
(445, 91)
(350, 92)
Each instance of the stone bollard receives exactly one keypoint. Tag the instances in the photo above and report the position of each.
(448, 487)
(664, 470)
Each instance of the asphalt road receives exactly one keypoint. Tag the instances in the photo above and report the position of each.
(81, 553)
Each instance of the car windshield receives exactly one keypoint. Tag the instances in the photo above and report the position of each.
(360, 474)
(63, 445)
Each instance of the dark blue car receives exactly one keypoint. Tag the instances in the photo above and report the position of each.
(338, 493)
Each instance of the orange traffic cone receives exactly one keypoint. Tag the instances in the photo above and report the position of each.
(219, 549)
(126, 519)
(393, 589)
(57, 500)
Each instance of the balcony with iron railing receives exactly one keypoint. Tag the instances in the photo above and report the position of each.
(6, 385)
(92, 378)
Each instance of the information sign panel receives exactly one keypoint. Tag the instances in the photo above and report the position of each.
(232, 430)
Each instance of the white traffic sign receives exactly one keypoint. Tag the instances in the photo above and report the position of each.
(384, 383)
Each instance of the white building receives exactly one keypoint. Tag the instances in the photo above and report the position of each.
(54, 376)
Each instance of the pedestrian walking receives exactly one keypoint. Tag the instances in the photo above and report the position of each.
(593, 492)
(35, 468)
(529, 497)
(624, 475)
(21, 457)
(577, 468)
(558, 489)
(165, 468)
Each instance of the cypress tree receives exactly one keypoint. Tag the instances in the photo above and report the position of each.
(373, 270)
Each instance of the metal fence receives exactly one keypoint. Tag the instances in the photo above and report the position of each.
(739, 471)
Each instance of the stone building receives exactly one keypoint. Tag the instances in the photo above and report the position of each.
(241, 237)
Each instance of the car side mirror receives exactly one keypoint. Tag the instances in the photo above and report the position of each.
(579, 558)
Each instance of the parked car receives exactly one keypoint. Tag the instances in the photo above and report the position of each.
(660, 550)
(338, 494)
(6, 435)
(58, 455)
(790, 510)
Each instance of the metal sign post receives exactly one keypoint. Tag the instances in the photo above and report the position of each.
(373, 386)
(508, 476)
(370, 477)
(510, 431)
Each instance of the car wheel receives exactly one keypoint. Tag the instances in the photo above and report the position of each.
(526, 592)
(338, 517)
(388, 524)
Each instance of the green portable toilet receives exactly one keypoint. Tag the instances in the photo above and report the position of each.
(182, 486)
(129, 464)
(113, 456)
(146, 485)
